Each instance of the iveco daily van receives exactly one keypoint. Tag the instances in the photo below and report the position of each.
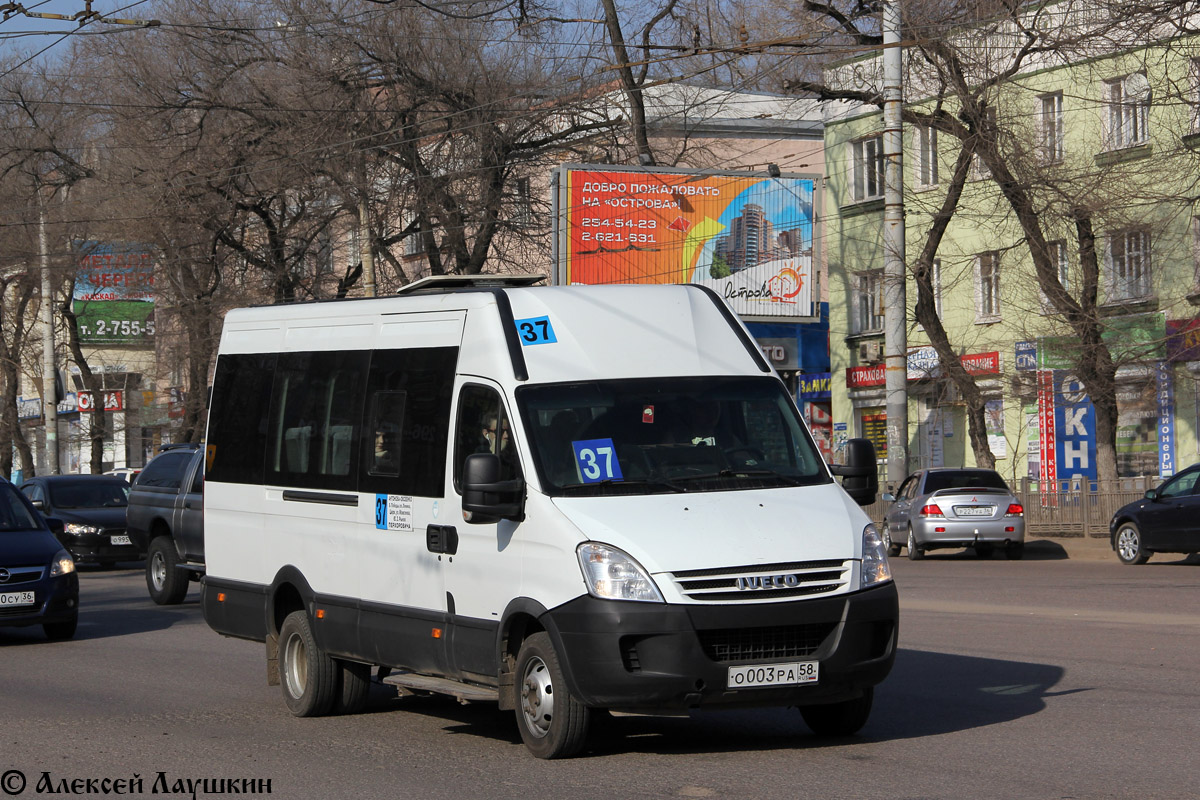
(559, 499)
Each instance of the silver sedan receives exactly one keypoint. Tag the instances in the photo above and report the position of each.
(943, 508)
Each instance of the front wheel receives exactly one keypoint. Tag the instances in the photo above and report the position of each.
(553, 723)
(61, 631)
(166, 580)
(1129, 545)
(839, 719)
(308, 676)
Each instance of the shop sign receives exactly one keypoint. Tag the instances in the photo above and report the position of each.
(922, 363)
(1183, 340)
(1166, 419)
(1026, 355)
(865, 377)
(1075, 428)
(113, 401)
(784, 354)
(815, 386)
(29, 408)
(69, 405)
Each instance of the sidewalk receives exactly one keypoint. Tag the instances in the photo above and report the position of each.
(1072, 547)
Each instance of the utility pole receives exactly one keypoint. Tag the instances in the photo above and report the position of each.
(49, 371)
(894, 270)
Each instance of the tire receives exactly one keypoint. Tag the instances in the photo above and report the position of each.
(308, 676)
(553, 723)
(915, 553)
(1129, 545)
(166, 581)
(1015, 551)
(61, 631)
(354, 686)
(984, 550)
(893, 550)
(839, 719)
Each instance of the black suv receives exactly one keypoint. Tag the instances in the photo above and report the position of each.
(166, 520)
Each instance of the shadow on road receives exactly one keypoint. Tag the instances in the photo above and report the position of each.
(927, 694)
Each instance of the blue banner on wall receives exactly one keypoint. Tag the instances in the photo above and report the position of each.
(1075, 428)
(1166, 419)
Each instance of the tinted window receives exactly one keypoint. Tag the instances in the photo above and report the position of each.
(483, 427)
(198, 480)
(14, 514)
(237, 420)
(165, 470)
(89, 494)
(1180, 486)
(315, 420)
(408, 421)
(965, 478)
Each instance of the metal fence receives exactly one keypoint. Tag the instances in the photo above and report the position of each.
(1065, 508)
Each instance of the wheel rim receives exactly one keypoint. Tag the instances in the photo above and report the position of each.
(1127, 544)
(158, 571)
(912, 540)
(887, 536)
(295, 665)
(537, 697)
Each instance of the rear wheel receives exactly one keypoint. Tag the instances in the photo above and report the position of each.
(839, 719)
(354, 684)
(1129, 545)
(308, 676)
(893, 549)
(915, 553)
(553, 723)
(166, 580)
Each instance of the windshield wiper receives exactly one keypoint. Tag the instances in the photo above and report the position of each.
(665, 484)
(743, 473)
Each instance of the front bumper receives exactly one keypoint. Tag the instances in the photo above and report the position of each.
(91, 548)
(57, 600)
(656, 657)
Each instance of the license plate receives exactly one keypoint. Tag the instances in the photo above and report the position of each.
(9, 599)
(772, 674)
(121, 540)
(974, 511)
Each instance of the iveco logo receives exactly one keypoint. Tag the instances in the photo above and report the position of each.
(769, 582)
(3, 575)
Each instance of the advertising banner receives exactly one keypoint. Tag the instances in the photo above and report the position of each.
(1165, 383)
(1075, 429)
(1046, 451)
(922, 363)
(747, 237)
(815, 386)
(1183, 340)
(114, 293)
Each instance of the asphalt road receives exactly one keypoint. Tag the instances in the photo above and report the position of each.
(1045, 678)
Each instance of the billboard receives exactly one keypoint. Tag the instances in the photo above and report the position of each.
(748, 237)
(114, 292)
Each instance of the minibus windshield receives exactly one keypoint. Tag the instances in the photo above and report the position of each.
(649, 436)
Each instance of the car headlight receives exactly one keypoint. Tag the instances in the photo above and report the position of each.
(62, 563)
(611, 574)
(78, 528)
(875, 567)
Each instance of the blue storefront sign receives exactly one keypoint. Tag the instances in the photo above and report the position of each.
(815, 386)
(1166, 419)
(1075, 428)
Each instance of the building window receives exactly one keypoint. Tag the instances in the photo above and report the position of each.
(1051, 119)
(866, 157)
(1127, 111)
(1058, 257)
(987, 287)
(927, 157)
(1129, 265)
(868, 299)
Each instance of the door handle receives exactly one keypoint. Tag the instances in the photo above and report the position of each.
(441, 539)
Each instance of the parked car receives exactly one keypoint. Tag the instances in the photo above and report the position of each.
(166, 519)
(1165, 520)
(92, 508)
(942, 508)
(126, 474)
(38, 582)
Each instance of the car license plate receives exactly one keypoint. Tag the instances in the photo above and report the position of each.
(772, 674)
(121, 540)
(974, 511)
(9, 599)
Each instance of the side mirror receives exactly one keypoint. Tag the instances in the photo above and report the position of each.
(40, 505)
(887, 497)
(485, 496)
(860, 474)
(1152, 495)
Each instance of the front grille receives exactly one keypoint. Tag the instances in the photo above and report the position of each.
(764, 644)
(19, 575)
(764, 582)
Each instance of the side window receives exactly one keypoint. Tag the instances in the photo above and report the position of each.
(906, 489)
(316, 408)
(198, 479)
(483, 427)
(166, 470)
(407, 426)
(914, 487)
(1181, 486)
(237, 419)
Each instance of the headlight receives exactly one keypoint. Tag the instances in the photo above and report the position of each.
(875, 568)
(613, 575)
(62, 563)
(78, 528)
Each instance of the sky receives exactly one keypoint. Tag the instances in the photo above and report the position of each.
(36, 37)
